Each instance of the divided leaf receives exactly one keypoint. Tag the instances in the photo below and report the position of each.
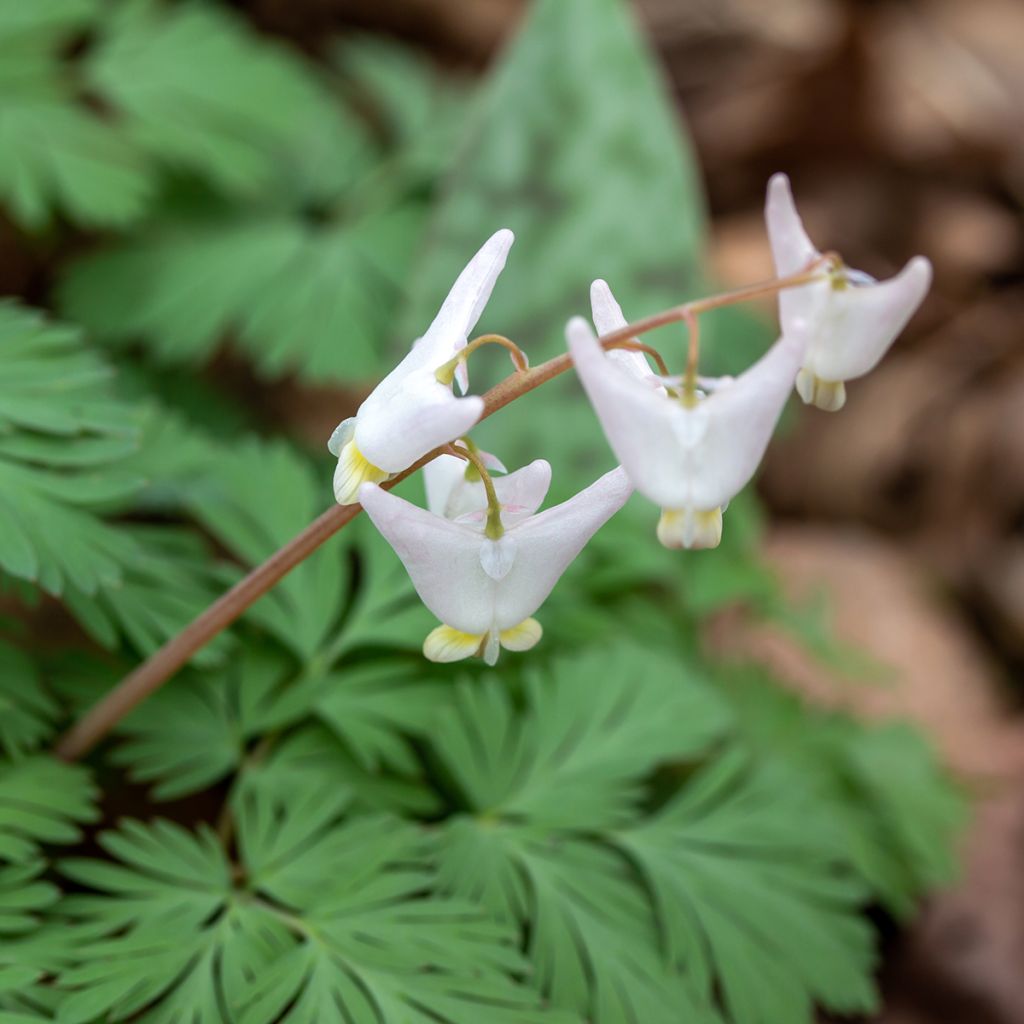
(61, 436)
(328, 923)
(577, 756)
(27, 711)
(42, 800)
(754, 897)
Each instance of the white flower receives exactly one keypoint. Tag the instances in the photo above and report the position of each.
(410, 412)
(689, 457)
(850, 319)
(453, 486)
(485, 591)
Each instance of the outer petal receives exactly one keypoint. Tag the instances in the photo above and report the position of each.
(403, 419)
(522, 491)
(849, 329)
(549, 542)
(862, 321)
(442, 477)
(449, 493)
(687, 458)
(608, 317)
(792, 250)
(740, 420)
(640, 423)
(441, 557)
(466, 301)
(409, 412)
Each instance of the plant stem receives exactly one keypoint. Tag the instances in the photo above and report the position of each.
(161, 665)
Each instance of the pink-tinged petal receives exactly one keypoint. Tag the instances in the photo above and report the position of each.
(442, 478)
(740, 420)
(449, 493)
(639, 423)
(862, 321)
(466, 301)
(608, 317)
(547, 544)
(400, 424)
(441, 557)
(680, 457)
(523, 490)
(792, 250)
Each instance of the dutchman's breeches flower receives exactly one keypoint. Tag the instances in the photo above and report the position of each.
(411, 412)
(688, 453)
(485, 590)
(849, 319)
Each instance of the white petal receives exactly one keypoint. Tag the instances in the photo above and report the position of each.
(441, 478)
(608, 317)
(860, 322)
(498, 556)
(687, 457)
(638, 422)
(523, 490)
(466, 301)
(341, 436)
(792, 250)
(741, 418)
(849, 328)
(406, 417)
(548, 543)
(441, 557)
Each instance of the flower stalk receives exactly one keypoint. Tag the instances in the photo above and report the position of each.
(148, 677)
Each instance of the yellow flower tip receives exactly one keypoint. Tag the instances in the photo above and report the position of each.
(829, 395)
(354, 470)
(522, 637)
(445, 644)
(690, 528)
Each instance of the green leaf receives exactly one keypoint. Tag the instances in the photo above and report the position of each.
(42, 800)
(315, 299)
(575, 147)
(167, 583)
(578, 754)
(325, 921)
(376, 707)
(55, 152)
(27, 711)
(575, 759)
(55, 400)
(313, 759)
(222, 711)
(753, 896)
(239, 499)
(592, 935)
(897, 811)
(197, 89)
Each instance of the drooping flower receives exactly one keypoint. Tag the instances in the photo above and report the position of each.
(410, 412)
(454, 487)
(485, 591)
(689, 454)
(849, 319)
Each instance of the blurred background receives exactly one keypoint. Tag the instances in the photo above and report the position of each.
(901, 125)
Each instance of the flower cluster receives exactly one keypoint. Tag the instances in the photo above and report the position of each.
(481, 556)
